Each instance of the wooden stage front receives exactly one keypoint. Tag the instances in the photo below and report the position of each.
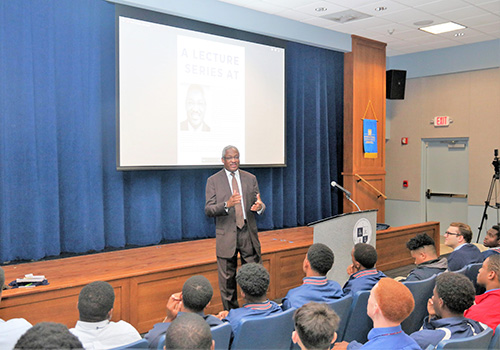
(144, 278)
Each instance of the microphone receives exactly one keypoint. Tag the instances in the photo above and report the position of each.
(334, 184)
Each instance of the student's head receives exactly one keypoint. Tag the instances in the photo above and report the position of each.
(95, 302)
(457, 233)
(189, 331)
(422, 248)
(48, 335)
(253, 280)
(390, 299)
(365, 255)
(492, 238)
(320, 258)
(315, 326)
(454, 293)
(489, 274)
(231, 158)
(195, 105)
(196, 293)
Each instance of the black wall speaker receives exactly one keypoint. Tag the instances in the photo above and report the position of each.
(395, 84)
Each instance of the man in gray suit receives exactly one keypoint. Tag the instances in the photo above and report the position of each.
(232, 197)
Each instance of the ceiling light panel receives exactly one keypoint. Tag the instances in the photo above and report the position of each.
(442, 28)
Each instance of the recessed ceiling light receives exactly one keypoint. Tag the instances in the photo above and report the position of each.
(380, 8)
(442, 28)
(320, 9)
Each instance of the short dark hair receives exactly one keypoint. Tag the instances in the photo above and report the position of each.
(494, 264)
(48, 335)
(188, 331)
(419, 241)
(197, 293)
(456, 290)
(496, 228)
(95, 301)
(320, 257)
(464, 230)
(365, 254)
(316, 324)
(253, 279)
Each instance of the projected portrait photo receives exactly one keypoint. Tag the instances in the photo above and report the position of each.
(196, 106)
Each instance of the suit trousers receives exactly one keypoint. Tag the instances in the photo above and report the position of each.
(226, 268)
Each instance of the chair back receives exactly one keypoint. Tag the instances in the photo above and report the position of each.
(462, 271)
(161, 342)
(471, 273)
(422, 291)
(495, 341)
(358, 324)
(270, 332)
(477, 342)
(140, 344)
(222, 336)
(341, 307)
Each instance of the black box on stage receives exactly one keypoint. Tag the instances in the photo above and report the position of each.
(395, 84)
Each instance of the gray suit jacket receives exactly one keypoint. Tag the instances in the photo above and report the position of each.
(217, 192)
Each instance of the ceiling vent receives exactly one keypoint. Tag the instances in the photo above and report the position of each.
(346, 16)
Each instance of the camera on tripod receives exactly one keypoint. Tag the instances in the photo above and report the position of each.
(496, 163)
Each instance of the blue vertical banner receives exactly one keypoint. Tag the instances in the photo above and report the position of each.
(370, 138)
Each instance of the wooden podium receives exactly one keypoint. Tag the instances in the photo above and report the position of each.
(340, 233)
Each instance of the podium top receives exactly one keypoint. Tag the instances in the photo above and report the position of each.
(341, 215)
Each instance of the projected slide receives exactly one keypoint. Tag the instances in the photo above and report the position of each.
(184, 95)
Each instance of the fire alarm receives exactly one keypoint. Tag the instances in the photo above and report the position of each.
(405, 183)
(404, 140)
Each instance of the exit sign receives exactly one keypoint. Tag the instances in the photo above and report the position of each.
(442, 121)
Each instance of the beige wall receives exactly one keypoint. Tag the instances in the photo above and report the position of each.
(472, 100)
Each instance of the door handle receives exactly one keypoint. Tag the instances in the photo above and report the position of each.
(429, 194)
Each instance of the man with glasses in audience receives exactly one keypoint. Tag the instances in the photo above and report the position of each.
(232, 197)
(458, 237)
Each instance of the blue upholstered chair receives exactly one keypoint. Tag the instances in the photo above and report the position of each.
(271, 332)
(422, 291)
(342, 307)
(222, 336)
(463, 270)
(495, 341)
(161, 342)
(471, 273)
(358, 324)
(477, 342)
(140, 344)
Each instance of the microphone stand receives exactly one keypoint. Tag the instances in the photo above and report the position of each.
(353, 202)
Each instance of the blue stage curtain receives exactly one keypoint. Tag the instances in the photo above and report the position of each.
(59, 187)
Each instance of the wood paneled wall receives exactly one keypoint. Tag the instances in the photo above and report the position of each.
(364, 83)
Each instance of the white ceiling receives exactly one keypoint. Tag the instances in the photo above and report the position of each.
(395, 25)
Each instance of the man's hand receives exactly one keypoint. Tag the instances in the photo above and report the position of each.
(234, 199)
(174, 304)
(352, 269)
(430, 309)
(258, 204)
(222, 315)
(340, 346)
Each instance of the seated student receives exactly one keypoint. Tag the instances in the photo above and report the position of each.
(315, 326)
(453, 294)
(10, 330)
(423, 250)
(253, 280)
(48, 335)
(487, 307)
(389, 304)
(458, 237)
(189, 331)
(492, 241)
(315, 286)
(194, 298)
(94, 329)
(362, 271)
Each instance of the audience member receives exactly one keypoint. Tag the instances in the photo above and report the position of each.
(487, 307)
(458, 236)
(189, 331)
(94, 329)
(315, 286)
(423, 250)
(195, 296)
(492, 241)
(253, 280)
(48, 335)
(362, 271)
(315, 326)
(453, 294)
(10, 330)
(389, 304)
